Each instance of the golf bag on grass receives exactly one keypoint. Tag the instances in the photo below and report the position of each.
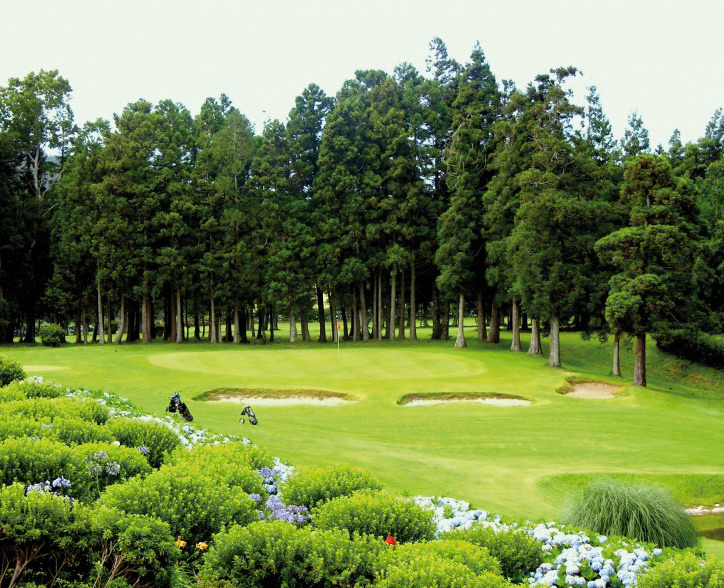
(250, 413)
(175, 404)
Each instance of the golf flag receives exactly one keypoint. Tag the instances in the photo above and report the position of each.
(339, 325)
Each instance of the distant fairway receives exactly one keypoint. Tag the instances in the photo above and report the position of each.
(494, 456)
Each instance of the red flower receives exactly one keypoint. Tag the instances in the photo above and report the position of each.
(390, 540)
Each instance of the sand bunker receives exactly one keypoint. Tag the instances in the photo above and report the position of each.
(595, 390)
(281, 401)
(492, 401)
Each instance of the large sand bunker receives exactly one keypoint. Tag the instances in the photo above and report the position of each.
(594, 390)
(265, 397)
(434, 398)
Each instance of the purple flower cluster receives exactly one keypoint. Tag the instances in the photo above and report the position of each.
(57, 485)
(289, 514)
(144, 450)
(99, 463)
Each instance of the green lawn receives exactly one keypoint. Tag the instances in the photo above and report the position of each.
(501, 459)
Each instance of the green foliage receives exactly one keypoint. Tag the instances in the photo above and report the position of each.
(157, 438)
(31, 461)
(685, 570)
(233, 464)
(10, 370)
(194, 505)
(136, 548)
(474, 557)
(8, 394)
(275, 553)
(42, 533)
(314, 485)
(645, 513)
(52, 335)
(20, 427)
(51, 408)
(517, 553)
(429, 571)
(376, 513)
(35, 389)
(697, 346)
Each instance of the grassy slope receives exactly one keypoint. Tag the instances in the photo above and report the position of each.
(493, 456)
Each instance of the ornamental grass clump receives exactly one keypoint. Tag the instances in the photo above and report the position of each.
(376, 513)
(314, 485)
(644, 513)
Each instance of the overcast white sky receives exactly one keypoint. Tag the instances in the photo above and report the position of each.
(662, 58)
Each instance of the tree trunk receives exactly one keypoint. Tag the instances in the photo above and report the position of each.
(363, 312)
(260, 336)
(436, 327)
(305, 325)
(554, 357)
(460, 341)
(84, 324)
(213, 336)
(446, 320)
(78, 330)
(272, 322)
(237, 323)
(393, 295)
(320, 310)
(413, 303)
(99, 324)
(375, 311)
(616, 356)
(244, 320)
(122, 324)
(333, 318)
(109, 336)
(292, 325)
(535, 346)
(481, 318)
(179, 316)
(494, 331)
(515, 315)
(639, 378)
(379, 305)
(171, 326)
(403, 294)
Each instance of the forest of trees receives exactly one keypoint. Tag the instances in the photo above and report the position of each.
(406, 197)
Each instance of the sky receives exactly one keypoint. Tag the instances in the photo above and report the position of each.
(660, 58)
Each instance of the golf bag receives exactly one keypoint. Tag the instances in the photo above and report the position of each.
(250, 413)
(175, 404)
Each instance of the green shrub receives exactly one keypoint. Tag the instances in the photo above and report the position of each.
(52, 335)
(474, 557)
(228, 464)
(10, 370)
(137, 548)
(9, 394)
(645, 513)
(376, 513)
(76, 431)
(685, 570)
(429, 571)
(158, 439)
(695, 346)
(517, 553)
(314, 485)
(276, 553)
(20, 427)
(35, 389)
(32, 461)
(195, 506)
(43, 533)
(50, 408)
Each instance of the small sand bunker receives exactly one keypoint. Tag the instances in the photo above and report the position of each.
(431, 399)
(595, 390)
(493, 401)
(281, 401)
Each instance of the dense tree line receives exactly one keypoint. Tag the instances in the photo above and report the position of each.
(404, 198)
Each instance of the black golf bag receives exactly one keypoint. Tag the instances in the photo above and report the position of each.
(250, 413)
(175, 404)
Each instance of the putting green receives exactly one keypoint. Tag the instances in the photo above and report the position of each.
(360, 364)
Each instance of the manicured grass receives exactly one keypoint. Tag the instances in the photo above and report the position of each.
(492, 456)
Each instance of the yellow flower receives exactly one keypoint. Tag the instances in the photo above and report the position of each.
(179, 543)
(201, 545)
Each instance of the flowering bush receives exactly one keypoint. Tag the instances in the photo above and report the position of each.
(36, 388)
(277, 554)
(474, 557)
(10, 370)
(376, 513)
(75, 431)
(50, 408)
(158, 440)
(427, 570)
(314, 485)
